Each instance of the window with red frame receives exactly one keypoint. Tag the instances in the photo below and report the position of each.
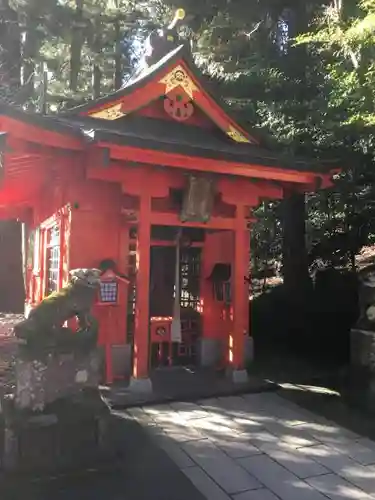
(52, 259)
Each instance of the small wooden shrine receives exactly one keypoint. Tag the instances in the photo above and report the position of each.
(155, 184)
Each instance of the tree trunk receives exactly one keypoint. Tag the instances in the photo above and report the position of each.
(29, 53)
(10, 43)
(76, 46)
(97, 49)
(12, 295)
(12, 290)
(96, 82)
(295, 263)
(118, 58)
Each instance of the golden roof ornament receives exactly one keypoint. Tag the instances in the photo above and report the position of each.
(112, 113)
(179, 16)
(236, 135)
(161, 42)
(178, 77)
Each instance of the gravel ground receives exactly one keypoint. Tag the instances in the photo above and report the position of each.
(7, 322)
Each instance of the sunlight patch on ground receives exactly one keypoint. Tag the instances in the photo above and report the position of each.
(308, 388)
(262, 442)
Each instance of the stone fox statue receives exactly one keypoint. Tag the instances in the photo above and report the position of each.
(75, 299)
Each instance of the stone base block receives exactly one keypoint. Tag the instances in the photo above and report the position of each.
(40, 383)
(238, 376)
(249, 350)
(361, 383)
(362, 349)
(121, 360)
(46, 444)
(210, 352)
(140, 385)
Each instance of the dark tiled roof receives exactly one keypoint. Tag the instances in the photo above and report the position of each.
(163, 135)
(188, 140)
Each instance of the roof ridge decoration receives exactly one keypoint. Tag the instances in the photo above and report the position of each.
(178, 77)
(161, 42)
(176, 103)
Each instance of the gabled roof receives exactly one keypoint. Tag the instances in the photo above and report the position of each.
(175, 70)
(76, 132)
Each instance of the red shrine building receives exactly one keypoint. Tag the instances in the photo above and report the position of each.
(157, 183)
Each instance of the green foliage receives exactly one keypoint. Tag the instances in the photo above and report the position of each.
(314, 94)
(85, 46)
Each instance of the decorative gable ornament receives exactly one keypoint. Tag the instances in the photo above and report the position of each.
(178, 105)
(178, 77)
(112, 113)
(236, 135)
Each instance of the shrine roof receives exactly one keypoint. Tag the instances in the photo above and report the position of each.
(139, 79)
(154, 81)
(167, 136)
(161, 135)
(114, 119)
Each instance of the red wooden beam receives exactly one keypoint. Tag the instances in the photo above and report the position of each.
(39, 134)
(169, 219)
(207, 165)
(133, 178)
(162, 243)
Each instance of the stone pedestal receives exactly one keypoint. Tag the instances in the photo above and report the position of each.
(362, 349)
(39, 382)
(239, 376)
(210, 352)
(55, 417)
(140, 385)
(249, 350)
(361, 390)
(121, 360)
(67, 435)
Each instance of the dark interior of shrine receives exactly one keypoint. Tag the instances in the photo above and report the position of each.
(163, 269)
(163, 288)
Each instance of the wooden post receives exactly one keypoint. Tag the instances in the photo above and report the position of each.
(240, 290)
(142, 306)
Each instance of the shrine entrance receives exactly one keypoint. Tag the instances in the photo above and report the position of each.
(175, 298)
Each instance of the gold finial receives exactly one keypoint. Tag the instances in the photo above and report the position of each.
(179, 16)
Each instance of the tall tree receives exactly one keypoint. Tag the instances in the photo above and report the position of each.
(11, 277)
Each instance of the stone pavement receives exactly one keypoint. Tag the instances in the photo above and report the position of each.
(142, 471)
(261, 447)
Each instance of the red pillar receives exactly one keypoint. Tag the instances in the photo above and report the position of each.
(211, 308)
(218, 248)
(141, 330)
(240, 290)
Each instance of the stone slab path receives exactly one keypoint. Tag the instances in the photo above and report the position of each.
(261, 447)
(142, 471)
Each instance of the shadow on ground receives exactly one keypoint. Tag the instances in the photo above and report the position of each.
(142, 471)
(320, 387)
(262, 446)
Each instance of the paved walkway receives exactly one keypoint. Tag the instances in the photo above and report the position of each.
(261, 447)
(143, 471)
